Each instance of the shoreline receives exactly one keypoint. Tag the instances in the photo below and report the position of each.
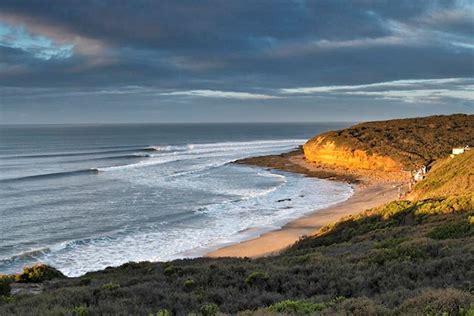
(370, 190)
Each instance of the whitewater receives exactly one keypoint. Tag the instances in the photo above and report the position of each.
(84, 198)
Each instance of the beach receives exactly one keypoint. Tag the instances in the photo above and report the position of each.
(370, 190)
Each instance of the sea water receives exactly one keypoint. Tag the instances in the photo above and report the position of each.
(84, 197)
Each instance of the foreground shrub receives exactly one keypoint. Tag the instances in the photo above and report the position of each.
(255, 278)
(5, 299)
(209, 309)
(5, 281)
(357, 306)
(80, 311)
(297, 307)
(455, 229)
(163, 312)
(38, 273)
(438, 302)
(110, 286)
(189, 284)
(412, 250)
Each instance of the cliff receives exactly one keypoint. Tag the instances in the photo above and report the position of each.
(325, 150)
(392, 145)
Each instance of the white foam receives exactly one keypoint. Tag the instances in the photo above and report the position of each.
(145, 163)
(233, 150)
(245, 203)
(219, 224)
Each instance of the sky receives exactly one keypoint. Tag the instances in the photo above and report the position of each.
(167, 61)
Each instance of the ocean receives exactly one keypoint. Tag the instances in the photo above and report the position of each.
(84, 197)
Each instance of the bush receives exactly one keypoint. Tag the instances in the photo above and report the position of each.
(38, 273)
(163, 312)
(437, 302)
(255, 278)
(5, 299)
(189, 284)
(209, 309)
(413, 250)
(389, 243)
(454, 229)
(85, 281)
(297, 307)
(470, 311)
(170, 270)
(110, 286)
(357, 306)
(5, 281)
(80, 311)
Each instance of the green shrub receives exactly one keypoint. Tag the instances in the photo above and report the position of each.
(38, 273)
(5, 281)
(389, 243)
(170, 269)
(297, 307)
(256, 278)
(438, 302)
(5, 299)
(162, 312)
(209, 309)
(412, 250)
(189, 284)
(80, 311)
(453, 229)
(357, 306)
(469, 311)
(110, 286)
(85, 281)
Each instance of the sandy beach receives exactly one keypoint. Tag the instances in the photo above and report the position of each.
(370, 190)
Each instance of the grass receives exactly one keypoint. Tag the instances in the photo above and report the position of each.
(449, 176)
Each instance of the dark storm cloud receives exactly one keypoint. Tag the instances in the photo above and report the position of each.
(171, 51)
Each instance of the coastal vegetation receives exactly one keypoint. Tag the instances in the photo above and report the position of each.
(448, 176)
(407, 257)
(391, 145)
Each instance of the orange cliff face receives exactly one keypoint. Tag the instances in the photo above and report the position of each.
(322, 150)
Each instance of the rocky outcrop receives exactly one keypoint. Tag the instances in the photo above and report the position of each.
(325, 150)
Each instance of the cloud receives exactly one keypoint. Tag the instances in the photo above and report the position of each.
(416, 90)
(221, 94)
(210, 50)
(137, 91)
(215, 45)
(425, 95)
(396, 83)
(49, 42)
(39, 46)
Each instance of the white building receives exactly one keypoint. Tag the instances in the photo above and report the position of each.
(459, 150)
(420, 174)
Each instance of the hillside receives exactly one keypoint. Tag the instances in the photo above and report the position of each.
(448, 176)
(392, 145)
